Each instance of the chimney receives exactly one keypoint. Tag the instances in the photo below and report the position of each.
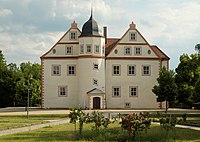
(105, 34)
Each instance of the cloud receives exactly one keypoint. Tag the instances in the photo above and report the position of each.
(5, 12)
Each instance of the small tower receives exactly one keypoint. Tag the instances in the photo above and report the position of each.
(91, 66)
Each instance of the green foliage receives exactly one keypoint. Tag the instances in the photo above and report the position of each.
(187, 79)
(166, 90)
(134, 123)
(15, 82)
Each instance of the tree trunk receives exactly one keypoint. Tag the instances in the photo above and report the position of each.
(166, 107)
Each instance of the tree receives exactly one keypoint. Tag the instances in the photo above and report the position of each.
(187, 76)
(197, 48)
(166, 90)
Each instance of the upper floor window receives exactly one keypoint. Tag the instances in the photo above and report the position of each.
(131, 69)
(89, 49)
(97, 49)
(68, 50)
(146, 70)
(127, 50)
(116, 92)
(81, 49)
(95, 82)
(62, 91)
(56, 69)
(133, 91)
(138, 50)
(132, 36)
(71, 70)
(95, 66)
(116, 69)
(73, 35)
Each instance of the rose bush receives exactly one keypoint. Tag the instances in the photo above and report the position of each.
(135, 122)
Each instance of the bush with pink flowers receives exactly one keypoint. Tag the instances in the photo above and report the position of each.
(134, 123)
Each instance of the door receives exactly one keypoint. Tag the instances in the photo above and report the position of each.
(96, 103)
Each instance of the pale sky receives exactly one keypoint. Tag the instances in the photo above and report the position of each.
(29, 28)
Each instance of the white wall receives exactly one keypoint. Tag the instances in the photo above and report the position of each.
(146, 98)
(51, 83)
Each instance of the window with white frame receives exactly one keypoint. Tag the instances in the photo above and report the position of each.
(133, 91)
(71, 70)
(81, 49)
(62, 91)
(95, 66)
(89, 49)
(95, 82)
(103, 49)
(127, 50)
(138, 50)
(56, 69)
(146, 70)
(116, 91)
(116, 69)
(68, 50)
(97, 49)
(73, 35)
(131, 69)
(132, 36)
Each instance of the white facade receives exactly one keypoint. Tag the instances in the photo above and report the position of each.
(97, 72)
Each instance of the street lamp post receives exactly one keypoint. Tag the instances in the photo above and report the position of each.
(28, 97)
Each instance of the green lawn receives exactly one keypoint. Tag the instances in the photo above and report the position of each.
(66, 132)
(20, 121)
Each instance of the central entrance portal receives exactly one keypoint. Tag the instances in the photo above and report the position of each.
(96, 102)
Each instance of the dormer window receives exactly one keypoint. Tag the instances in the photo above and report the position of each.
(68, 50)
(132, 36)
(89, 49)
(73, 35)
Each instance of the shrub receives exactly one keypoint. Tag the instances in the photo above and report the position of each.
(133, 123)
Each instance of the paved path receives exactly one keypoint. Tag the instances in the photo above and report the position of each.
(33, 127)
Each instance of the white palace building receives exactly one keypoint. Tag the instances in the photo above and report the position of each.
(89, 70)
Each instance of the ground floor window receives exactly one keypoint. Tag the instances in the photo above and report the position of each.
(116, 92)
(133, 91)
(62, 91)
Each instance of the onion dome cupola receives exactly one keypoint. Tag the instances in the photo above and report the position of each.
(90, 28)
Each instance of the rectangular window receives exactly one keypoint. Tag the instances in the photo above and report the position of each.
(71, 70)
(89, 49)
(73, 35)
(95, 82)
(81, 49)
(127, 105)
(56, 69)
(62, 91)
(116, 91)
(138, 51)
(131, 69)
(133, 91)
(97, 49)
(95, 66)
(127, 50)
(146, 70)
(132, 36)
(116, 69)
(69, 50)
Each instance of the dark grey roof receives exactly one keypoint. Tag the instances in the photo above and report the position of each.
(95, 91)
(90, 28)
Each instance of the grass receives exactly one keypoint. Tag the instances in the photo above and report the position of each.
(7, 122)
(66, 132)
